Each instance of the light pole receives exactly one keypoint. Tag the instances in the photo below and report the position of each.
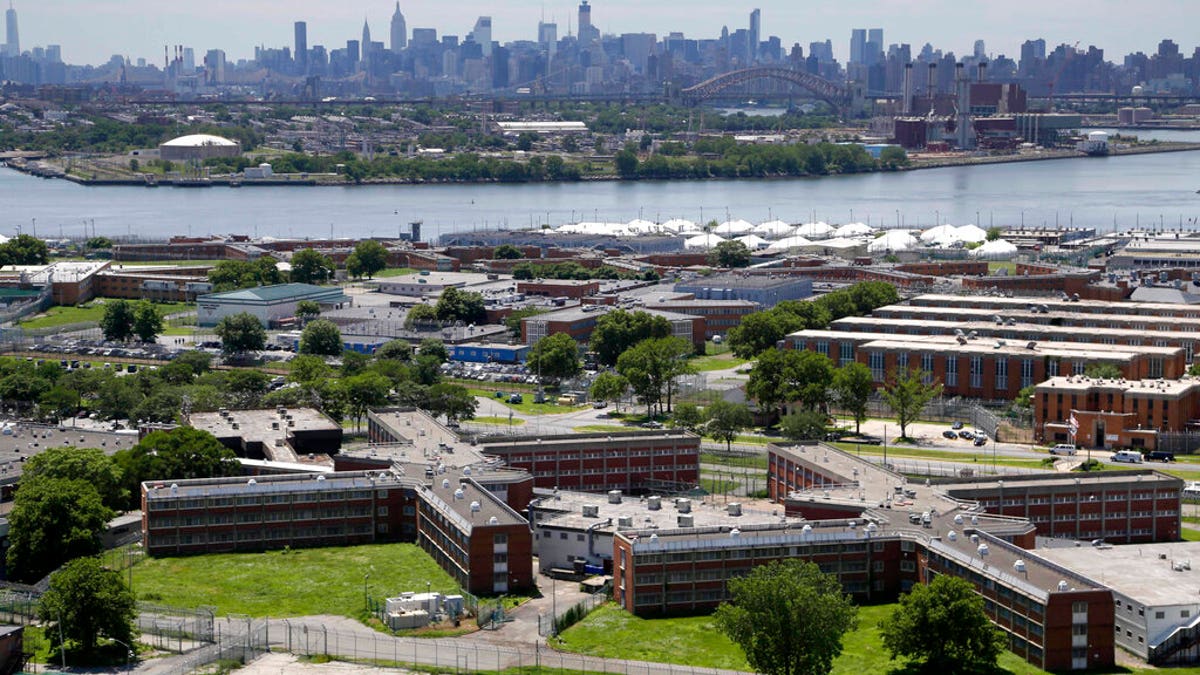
(366, 598)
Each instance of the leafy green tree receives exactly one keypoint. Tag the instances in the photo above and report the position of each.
(354, 363)
(427, 370)
(617, 331)
(435, 348)
(244, 388)
(451, 400)
(53, 520)
(525, 141)
(368, 259)
(907, 393)
(942, 626)
(788, 617)
(365, 390)
(994, 233)
(1103, 371)
(805, 425)
(513, 320)
(59, 402)
(307, 369)
(730, 253)
(241, 333)
(761, 331)
(307, 309)
(609, 387)
(147, 321)
(119, 399)
(90, 465)
(465, 306)
(893, 158)
(808, 377)
(229, 275)
(724, 421)
(626, 164)
(98, 243)
(687, 416)
(118, 320)
(197, 361)
(321, 337)
(555, 357)
(25, 249)
(394, 350)
(420, 314)
(310, 266)
(651, 366)
(1024, 397)
(853, 386)
(86, 602)
(160, 405)
(507, 252)
(177, 454)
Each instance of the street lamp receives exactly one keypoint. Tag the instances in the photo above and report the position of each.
(366, 598)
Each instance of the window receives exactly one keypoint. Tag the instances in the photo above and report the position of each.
(875, 363)
(1001, 373)
(951, 372)
(976, 365)
(902, 360)
(500, 538)
(845, 352)
(927, 368)
(1026, 372)
(1052, 368)
(383, 511)
(823, 347)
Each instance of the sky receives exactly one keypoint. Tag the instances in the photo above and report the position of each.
(91, 31)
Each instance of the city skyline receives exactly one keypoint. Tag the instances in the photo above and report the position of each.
(238, 27)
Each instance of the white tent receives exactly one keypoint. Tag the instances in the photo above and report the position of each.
(753, 241)
(819, 230)
(680, 225)
(940, 234)
(788, 243)
(852, 230)
(774, 229)
(971, 233)
(892, 240)
(995, 250)
(734, 227)
(643, 226)
(703, 241)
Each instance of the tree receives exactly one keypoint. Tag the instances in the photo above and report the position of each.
(147, 321)
(53, 520)
(805, 425)
(767, 378)
(761, 331)
(427, 370)
(394, 350)
(452, 400)
(307, 309)
(651, 365)
(788, 617)
(626, 164)
(365, 390)
(994, 233)
(420, 314)
(617, 331)
(687, 416)
(724, 421)
(368, 259)
(609, 387)
(196, 361)
(310, 266)
(730, 253)
(58, 402)
(177, 454)
(555, 356)
(507, 252)
(465, 306)
(525, 141)
(943, 626)
(435, 348)
(893, 157)
(230, 275)
(853, 386)
(86, 601)
(308, 370)
(1103, 371)
(117, 322)
(119, 398)
(98, 243)
(25, 249)
(321, 337)
(90, 465)
(907, 393)
(241, 333)
(354, 362)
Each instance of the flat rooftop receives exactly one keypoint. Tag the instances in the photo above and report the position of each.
(1149, 388)
(879, 324)
(422, 439)
(1138, 571)
(1095, 350)
(1083, 480)
(756, 281)
(284, 483)
(565, 510)
(498, 443)
(270, 427)
(457, 496)
(436, 279)
(1054, 304)
(1025, 316)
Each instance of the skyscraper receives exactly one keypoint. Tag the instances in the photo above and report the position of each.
(301, 46)
(548, 37)
(588, 33)
(755, 36)
(366, 38)
(858, 45)
(12, 39)
(399, 31)
(483, 34)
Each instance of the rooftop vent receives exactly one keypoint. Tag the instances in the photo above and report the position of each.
(735, 533)
(1019, 566)
(614, 496)
(685, 520)
(493, 521)
(952, 535)
(1062, 586)
(591, 511)
(445, 483)
(983, 550)
(654, 502)
(734, 509)
(475, 507)
(684, 505)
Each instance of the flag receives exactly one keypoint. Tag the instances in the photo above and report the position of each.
(1073, 424)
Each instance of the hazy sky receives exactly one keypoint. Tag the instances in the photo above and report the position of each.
(90, 31)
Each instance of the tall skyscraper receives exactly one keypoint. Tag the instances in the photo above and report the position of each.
(366, 38)
(980, 49)
(12, 38)
(755, 36)
(482, 33)
(588, 33)
(301, 46)
(548, 37)
(876, 35)
(399, 31)
(858, 45)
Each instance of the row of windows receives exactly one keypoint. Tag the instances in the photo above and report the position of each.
(256, 534)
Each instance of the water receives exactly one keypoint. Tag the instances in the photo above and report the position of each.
(1094, 192)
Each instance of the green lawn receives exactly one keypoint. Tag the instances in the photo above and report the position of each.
(904, 452)
(593, 428)
(90, 313)
(1188, 534)
(168, 263)
(298, 582)
(749, 461)
(527, 406)
(995, 266)
(718, 486)
(395, 272)
(486, 419)
(717, 362)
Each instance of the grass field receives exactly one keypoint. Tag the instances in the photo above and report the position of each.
(718, 486)
(593, 428)
(903, 452)
(395, 272)
(527, 406)
(749, 461)
(694, 641)
(298, 582)
(717, 362)
(486, 419)
(91, 312)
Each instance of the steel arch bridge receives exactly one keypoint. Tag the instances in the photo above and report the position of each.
(837, 95)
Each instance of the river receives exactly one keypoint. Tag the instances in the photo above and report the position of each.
(1095, 192)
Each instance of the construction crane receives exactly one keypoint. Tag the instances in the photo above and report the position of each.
(1058, 72)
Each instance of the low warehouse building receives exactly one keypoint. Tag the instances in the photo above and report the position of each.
(268, 304)
(198, 147)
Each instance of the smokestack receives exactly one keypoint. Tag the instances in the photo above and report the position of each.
(982, 71)
(965, 135)
(166, 58)
(906, 106)
(931, 85)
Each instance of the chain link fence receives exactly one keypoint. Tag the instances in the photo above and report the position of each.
(551, 624)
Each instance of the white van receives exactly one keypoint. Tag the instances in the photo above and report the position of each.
(1130, 456)
(1063, 449)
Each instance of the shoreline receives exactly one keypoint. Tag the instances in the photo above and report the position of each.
(916, 165)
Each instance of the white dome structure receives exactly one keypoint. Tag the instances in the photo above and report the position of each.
(788, 243)
(642, 226)
(892, 241)
(753, 241)
(819, 230)
(703, 241)
(734, 227)
(995, 250)
(774, 229)
(940, 235)
(198, 147)
(972, 233)
(680, 225)
(853, 230)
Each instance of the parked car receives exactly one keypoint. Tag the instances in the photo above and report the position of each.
(980, 440)
(1128, 456)
(652, 425)
(1064, 449)
(516, 398)
(949, 433)
(956, 426)
(966, 434)
(600, 404)
(1160, 456)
